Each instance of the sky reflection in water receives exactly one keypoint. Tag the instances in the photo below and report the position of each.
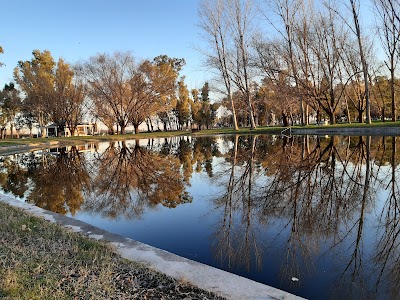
(323, 210)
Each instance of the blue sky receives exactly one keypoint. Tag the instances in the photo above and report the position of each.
(78, 29)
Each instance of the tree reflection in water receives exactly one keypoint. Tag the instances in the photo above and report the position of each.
(130, 178)
(59, 180)
(320, 190)
(302, 200)
(235, 237)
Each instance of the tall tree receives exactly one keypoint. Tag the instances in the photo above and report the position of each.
(36, 80)
(387, 13)
(215, 25)
(155, 87)
(195, 107)
(286, 11)
(183, 104)
(355, 27)
(205, 92)
(110, 86)
(52, 91)
(67, 108)
(124, 91)
(242, 29)
(355, 7)
(11, 104)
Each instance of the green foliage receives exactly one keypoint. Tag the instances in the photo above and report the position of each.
(176, 63)
(205, 92)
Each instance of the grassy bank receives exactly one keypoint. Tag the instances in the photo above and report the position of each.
(40, 260)
(278, 129)
(215, 131)
(81, 139)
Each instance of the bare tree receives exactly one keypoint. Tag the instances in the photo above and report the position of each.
(355, 6)
(229, 27)
(241, 13)
(287, 11)
(124, 91)
(107, 77)
(326, 45)
(214, 24)
(387, 15)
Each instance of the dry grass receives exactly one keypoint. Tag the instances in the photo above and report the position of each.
(40, 260)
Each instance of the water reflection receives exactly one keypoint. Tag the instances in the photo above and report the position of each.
(129, 178)
(325, 210)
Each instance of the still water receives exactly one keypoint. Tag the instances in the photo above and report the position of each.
(323, 210)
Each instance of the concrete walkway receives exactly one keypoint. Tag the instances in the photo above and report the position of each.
(209, 278)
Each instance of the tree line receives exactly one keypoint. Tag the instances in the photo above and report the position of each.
(276, 61)
(116, 89)
(296, 58)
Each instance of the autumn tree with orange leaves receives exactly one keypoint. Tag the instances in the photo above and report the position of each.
(124, 91)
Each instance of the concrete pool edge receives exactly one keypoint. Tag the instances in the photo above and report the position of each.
(205, 277)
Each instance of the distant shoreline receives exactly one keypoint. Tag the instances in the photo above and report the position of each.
(11, 146)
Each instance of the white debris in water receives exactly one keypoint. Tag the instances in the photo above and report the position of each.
(295, 279)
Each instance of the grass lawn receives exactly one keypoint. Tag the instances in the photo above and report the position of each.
(41, 260)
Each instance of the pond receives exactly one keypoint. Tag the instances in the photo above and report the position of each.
(315, 216)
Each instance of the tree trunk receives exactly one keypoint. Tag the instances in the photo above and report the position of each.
(234, 118)
(251, 112)
(43, 131)
(151, 125)
(360, 116)
(307, 117)
(285, 120)
(347, 111)
(392, 93)
(136, 126)
(363, 62)
(332, 118)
